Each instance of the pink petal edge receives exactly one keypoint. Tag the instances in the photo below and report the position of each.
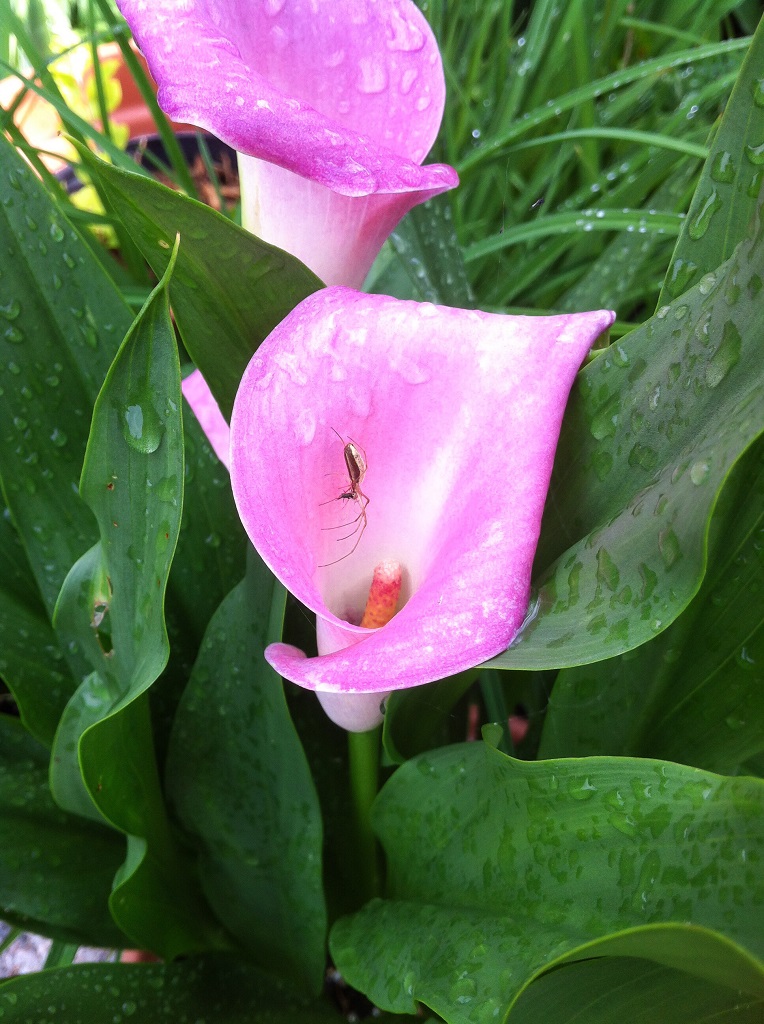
(349, 93)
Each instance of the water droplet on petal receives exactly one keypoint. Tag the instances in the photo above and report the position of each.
(373, 75)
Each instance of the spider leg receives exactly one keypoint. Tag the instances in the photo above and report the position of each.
(359, 531)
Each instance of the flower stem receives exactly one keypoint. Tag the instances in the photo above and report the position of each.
(363, 748)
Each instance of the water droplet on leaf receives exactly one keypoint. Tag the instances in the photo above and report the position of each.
(725, 357)
(142, 427)
(702, 220)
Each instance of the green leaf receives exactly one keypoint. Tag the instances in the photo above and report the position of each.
(326, 748)
(62, 320)
(253, 810)
(31, 662)
(230, 289)
(650, 435)
(208, 563)
(525, 865)
(422, 259)
(212, 544)
(631, 260)
(610, 990)
(727, 195)
(216, 990)
(56, 295)
(111, 609)
(694, 693)
(56, 869)
(640, 72)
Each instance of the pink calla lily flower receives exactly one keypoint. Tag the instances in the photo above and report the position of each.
(455, 415)
(333, 105)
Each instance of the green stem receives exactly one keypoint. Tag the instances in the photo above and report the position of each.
(10, 938)
(363, 749)
(61, 954)
(496, 706)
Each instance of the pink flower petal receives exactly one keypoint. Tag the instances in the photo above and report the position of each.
(329, 101)
(207, 411)
(349, 93)
(337, 236)
(458, 414)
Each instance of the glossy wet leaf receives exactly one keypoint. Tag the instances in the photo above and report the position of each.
(213, 989)
(694, 694)
(111, 609)
(211, 552)
(72, 319)
(208, 562)
(611, 990)
(229, 289)
(252, 811)
(653, 428)
(525, 864)
(56, 869)
(32, 664)
(730, 187)
(61, 321)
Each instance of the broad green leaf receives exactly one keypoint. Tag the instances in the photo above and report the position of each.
(229, 290)
(215, 990)
(611, 990)
(694, 694)
(212, 544)
(728, 193)
(252, 810)
(31, 662)
(524, 865)
(56, 869)
(422, 259)
(208, 563)
(650, 435)
(326, 749)
(111, 608)
(62, 321)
